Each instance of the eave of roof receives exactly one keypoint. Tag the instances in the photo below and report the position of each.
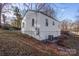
(41, 13)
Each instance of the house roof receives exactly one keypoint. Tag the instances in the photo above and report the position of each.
(41, 13)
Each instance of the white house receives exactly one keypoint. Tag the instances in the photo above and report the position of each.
(39, 25)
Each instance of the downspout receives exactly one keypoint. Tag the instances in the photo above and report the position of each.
(36, 22)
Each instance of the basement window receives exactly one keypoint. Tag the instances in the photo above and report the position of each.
(33, 22)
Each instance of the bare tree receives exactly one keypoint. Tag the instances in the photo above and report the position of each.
(47, 9)
(76, 28)
(28, 6)
(77, 22)
(18, 17)
(43, 7)
(64, 25)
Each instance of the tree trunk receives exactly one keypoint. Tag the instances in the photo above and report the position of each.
(0, 12)
(0, 18)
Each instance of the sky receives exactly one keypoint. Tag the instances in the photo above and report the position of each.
(67, 11)
(64, 11)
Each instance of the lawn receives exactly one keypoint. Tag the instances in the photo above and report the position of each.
(72, 42)
(17, 44)
(13, 44)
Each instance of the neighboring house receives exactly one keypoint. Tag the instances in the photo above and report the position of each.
(39, 25)
(8, 19)
(16, 23)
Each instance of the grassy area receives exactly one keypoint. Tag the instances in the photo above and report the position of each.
(10, 44)
(15, 43)
(73, 42)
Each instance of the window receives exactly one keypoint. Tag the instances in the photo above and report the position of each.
(46, 22)
(23, 25)
(53, 23)
(33, 22)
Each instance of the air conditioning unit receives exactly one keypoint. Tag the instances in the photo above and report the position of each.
(50, 37)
